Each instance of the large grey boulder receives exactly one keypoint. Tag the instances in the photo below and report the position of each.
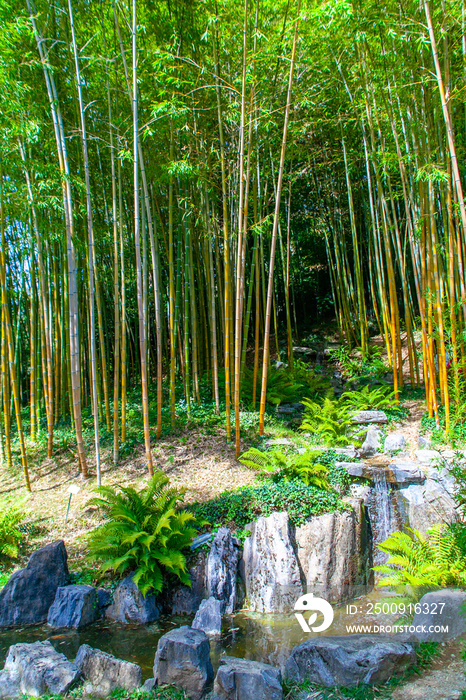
(425, 505)
(349, 661)
(371, 444)
(222, 570)
(10, 685)
(405, 472)
(209, 617)
(334, 553)
(369, 417)
(41, 670)
(395, 442)
(269, 565)
(239, 679)
(130, 606)
(28, 595)
(103, 672)
(183, 660)
(441, 616)
(74, 606)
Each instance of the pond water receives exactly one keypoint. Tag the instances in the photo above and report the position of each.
(255, 636)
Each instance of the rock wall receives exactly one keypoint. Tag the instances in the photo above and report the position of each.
(334, 552)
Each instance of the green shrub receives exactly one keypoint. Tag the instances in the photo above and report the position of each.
(144, 532)
(10, 534)
(423, 562)
(288, 466)
(379, 398)
(330, 420)
(241, 506)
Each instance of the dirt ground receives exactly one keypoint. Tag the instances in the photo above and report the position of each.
(204, 465)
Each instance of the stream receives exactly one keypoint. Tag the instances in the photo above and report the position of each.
(259, 637)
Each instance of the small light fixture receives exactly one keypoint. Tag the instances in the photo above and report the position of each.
(72, 490)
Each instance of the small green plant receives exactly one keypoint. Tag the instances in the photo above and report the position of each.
(166, 693)
(144, 532)
(330, 420)
(366, 399)
(288, 467)
(423, 562)
(10, 534)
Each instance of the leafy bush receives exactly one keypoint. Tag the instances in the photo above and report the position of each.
(423, 562)
(241, 506)
(288, 467)
(144, 532)
(330, 420)
(10, 534)
(377, 399)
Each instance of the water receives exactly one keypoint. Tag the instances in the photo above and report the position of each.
(255, 636)
(383, 519)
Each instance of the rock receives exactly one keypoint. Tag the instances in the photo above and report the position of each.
(150, 685)
(334, 553)
(427, 457)
(370, 417)
(300, 407)
(183, 660)
(423, 442)
(269, 566)
(202, 539)
(349, 661)
(74, 606)
(371, 444)
(405, 472)
(130, 606)
(185, 600)
(29, 593)
(285, 409)
(41, 669)
(104, 598)
(441, 610)
(104, 672)
(424, 505)
(357, 470)
(277, 441)
(9, 685)
(239, 679)
(222, 570)
(395, 442)
(209, 617)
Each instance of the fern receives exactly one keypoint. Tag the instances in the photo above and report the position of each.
(144, 532)
(10, 535)
(330, 420)
(378, 398)
(426, 561)
(288, 467)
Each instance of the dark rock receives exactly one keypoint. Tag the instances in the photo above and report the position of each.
(222, 570)
(370, 417)
(104, 672)
(209, 617)
(41, 669)
(104, 598)
(185, 600)
(28, 595)
(239, 679)
(269, 566)
(74, 606)
(440, 609)
(349, 661)
(183, 660)
(285, 409)
(130, 606)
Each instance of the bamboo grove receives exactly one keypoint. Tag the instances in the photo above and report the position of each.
(172, 173)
